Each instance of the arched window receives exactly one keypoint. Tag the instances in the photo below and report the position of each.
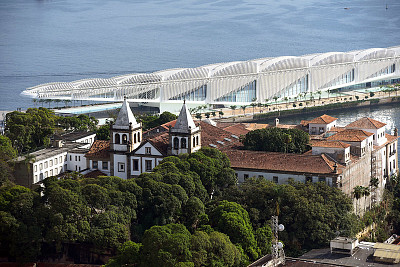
(176, 143)
(124, 139)
(194, 141)
(183, 143)
(138, 136)
(117, 139)
(197, 140)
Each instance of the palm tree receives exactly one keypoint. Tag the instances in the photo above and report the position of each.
(233, 107)
(198, 116)
(244, 109)
(319, 92)
(366, 192)
(253, 105)
(221, 113)
(275, 99)
(357, 193)
(286, 99)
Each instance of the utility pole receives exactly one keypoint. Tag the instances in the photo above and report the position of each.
(278, 255)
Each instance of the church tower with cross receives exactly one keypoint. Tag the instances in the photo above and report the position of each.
(185, 136)
(126, 135)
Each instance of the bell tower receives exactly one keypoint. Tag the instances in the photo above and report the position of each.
(185, 136)
(126, 136)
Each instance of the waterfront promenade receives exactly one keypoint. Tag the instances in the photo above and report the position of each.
(314, 100)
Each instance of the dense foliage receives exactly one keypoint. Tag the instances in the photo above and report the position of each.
(32, 129)
(7, 152)
(311, 213)
(277, 140)
(151, 121)
(188, 212)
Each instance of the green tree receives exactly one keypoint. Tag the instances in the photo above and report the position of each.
(7, 152)
(167, 245)
(244, 109)
(231, 219)
(103, 132)
(233, 107)
(277, 140)
(128, 255)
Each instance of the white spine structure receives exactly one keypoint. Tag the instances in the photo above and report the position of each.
(237, 82)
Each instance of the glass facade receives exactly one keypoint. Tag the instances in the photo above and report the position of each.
(299, 86)
(388, 70)
(369, 85)
(344, 78)
(197, 94)
(246, 93)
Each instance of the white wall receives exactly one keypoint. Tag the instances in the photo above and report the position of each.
(76, 161)
(87, 139)
(120, 159)
(100, 166)
(282, 178)
(55, 166)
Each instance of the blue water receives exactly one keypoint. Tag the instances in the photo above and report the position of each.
(64, 40)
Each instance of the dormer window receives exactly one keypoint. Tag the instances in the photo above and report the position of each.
(148, 150)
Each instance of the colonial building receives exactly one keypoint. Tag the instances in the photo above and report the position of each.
(67, 154)
(358, 154)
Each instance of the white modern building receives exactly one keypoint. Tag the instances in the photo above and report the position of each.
(237, 82)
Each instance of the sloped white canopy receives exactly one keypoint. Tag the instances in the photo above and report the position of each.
(331, 58)
(374, 53)
(283, 63)
(191, 73)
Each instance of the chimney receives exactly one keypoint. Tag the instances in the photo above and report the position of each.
(335, 168)
(57, 143)
(276, 122)
(396, 131)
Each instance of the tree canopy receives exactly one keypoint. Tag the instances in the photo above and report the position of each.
(277, 140)
(187, 212)
(32, 129)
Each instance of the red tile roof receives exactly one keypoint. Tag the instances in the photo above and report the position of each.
(237, 129)
(326, 143)
(324, 119)
(211, 134)
(161, 142)
(273, 161)
(100, 149)
(350, 135)
(391, 138)
(366, 123)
